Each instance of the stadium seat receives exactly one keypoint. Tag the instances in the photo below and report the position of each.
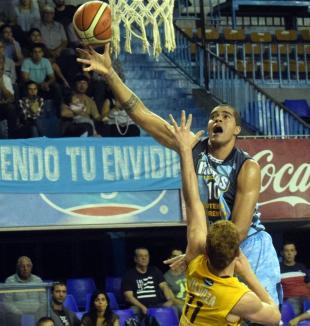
(79, 287)
(234, 35)
(114, 284)
(113, 301)
(305, 34)
(123, 315)
(306, 304)
(70, 303)
(87, 301)
(80, 314)
(246, 67)
(300, 107)
(165, 316)
(27, 320)
(287, 313)
(286, 35)
(211, 34)
(261, 37)
(252, 49)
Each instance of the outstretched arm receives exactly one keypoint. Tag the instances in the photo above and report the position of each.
(149, 121)
(195, 213)
(257, 305)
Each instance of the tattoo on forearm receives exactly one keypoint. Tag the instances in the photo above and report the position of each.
(131, 103)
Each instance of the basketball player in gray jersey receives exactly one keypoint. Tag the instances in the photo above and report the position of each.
(229, 180)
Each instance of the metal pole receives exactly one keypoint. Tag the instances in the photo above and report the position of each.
(203, 42)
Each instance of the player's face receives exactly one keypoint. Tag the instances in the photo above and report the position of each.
(142, 258)
(222, 126)
(289, 253)
(101, 303)
(59, 294)
(24, 269)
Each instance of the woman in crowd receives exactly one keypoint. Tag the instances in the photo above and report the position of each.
(100, 313)
(27, 13)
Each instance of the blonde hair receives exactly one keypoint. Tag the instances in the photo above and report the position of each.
(222, 244)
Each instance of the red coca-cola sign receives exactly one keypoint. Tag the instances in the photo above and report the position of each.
(285, 175)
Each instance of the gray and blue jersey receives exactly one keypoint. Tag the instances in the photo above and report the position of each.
(217, 182)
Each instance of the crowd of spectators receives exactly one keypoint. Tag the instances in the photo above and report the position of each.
(295, 283)
(39, 73)
(143, 286)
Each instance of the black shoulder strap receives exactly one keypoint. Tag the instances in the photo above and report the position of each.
(198, 149)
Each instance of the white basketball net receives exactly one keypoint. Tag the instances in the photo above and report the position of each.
(137, 16)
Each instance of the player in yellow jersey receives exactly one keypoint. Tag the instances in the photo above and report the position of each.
(214, 296)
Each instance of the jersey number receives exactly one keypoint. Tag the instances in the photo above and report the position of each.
(213, 190)
(199, 304)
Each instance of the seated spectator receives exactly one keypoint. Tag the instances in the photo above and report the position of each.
(100, 312)
(37, 68)
(81, 109)
(59, 314)
(18, 303)
(45, 321)
(27, 13)
(78, 124)
(144, 286)
(53, 33)
(175, 278)
(31, 108)
(119, 122)
(294, 278)
(7, 10)
(35, 37)
(9, 65)
(296, 320)
(7, 108)
(64, 13)
(12, 48)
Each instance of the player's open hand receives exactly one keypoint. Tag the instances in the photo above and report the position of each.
(183, 137)
(94, 61)
(177, 263)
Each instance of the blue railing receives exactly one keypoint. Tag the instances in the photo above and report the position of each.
(259, 110)
(189, 56)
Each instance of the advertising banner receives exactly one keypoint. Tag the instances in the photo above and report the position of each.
(80, 165)
(68, 183)
(79, 182)
(285, 174)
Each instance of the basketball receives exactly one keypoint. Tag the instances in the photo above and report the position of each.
(92, 23)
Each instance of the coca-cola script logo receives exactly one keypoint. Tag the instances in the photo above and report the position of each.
(285, 176)
(284, 179)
